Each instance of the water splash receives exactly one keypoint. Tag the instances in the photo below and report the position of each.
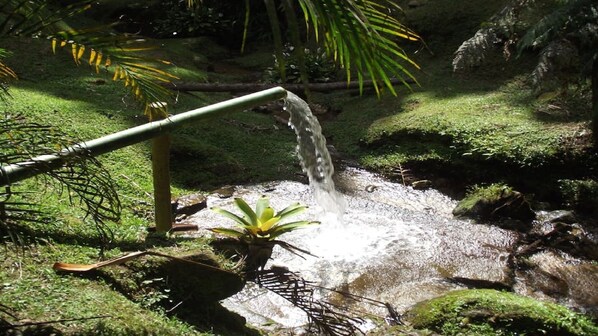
(314, 156)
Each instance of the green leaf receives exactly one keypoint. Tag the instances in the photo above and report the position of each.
(228, 232)
(246, 209)
(290, 210)
(267, 225)
(288, 227)
(261, 205)
(267, 214)
(238, 220)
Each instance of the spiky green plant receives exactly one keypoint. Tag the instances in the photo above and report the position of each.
(263, 223)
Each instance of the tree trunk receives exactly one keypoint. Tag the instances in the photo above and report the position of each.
(595, 101)
(251, 87)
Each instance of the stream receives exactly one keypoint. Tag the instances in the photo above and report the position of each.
(389, 243)
(398, 245)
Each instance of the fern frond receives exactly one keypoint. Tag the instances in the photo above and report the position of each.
(558, 59)
(473, 51)
(567, 17)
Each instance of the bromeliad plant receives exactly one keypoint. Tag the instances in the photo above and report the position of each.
(263, 224)
(257, 231)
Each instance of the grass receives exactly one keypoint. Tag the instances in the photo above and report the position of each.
(485, 126)
(242, 147)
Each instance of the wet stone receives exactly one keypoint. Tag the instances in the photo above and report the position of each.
(559, 277)
(224, 192)
(190, 204)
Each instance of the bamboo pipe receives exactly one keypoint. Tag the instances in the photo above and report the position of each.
(19, 171)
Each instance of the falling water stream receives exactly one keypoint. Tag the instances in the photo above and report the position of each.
(393, 243)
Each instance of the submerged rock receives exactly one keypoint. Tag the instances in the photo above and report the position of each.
(559, 277)
(491, 312)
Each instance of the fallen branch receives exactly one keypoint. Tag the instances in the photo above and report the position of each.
(252, 87)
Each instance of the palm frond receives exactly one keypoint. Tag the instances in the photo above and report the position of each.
(83, 177)
(30, 17)
(121, 54)
(327, 318)
(361, 38)
(6, 74)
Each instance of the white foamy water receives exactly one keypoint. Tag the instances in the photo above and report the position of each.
(314, 156)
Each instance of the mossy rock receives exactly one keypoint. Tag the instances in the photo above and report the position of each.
(494, 202)
(491, 312)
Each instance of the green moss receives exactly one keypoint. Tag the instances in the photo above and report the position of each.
(482, 194)
(490, 312)
(495, 201)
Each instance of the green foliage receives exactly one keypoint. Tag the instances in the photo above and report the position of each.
(489, 194)
(83, 177)
(360, 34)
(318, 65)
(177, 19)
(263, 224)
(564, 32)
(97, 46)
(489, 312)
(580, 194)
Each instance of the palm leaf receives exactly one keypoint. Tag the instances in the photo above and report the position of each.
(97, 45)
(142, 75)
(6, 74)
(84, 178)
(27, 17)
(357, 34)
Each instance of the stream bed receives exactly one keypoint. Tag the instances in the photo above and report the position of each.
(397, 245)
